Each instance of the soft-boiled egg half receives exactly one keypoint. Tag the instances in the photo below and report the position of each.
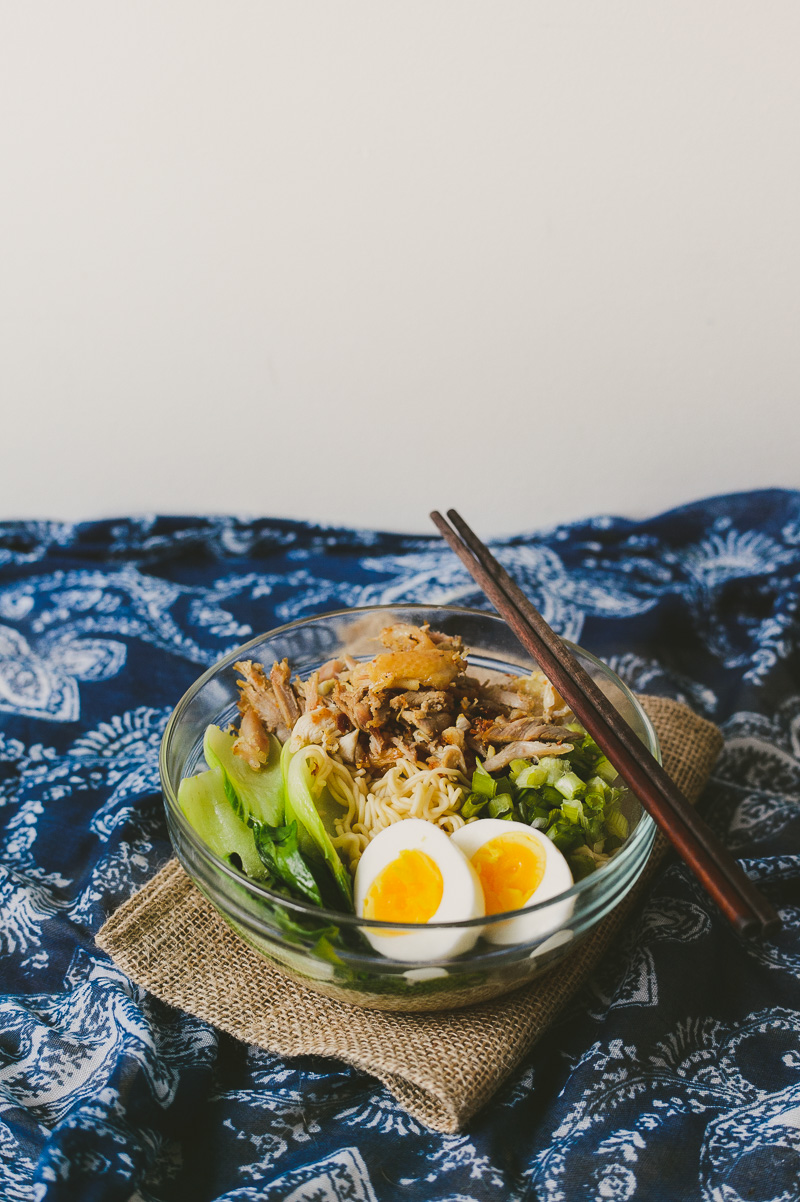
(517, 867)
(412, 873)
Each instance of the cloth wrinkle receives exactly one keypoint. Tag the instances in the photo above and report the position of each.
(672, 1071)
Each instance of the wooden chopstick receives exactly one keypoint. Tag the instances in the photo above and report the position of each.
(615, 731)
(714, 866)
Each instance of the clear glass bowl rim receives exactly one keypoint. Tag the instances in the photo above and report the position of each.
(645, 829)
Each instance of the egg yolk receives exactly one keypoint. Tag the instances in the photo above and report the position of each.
(510, 868)
(409, 889)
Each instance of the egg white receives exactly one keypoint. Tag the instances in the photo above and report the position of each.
(462, 896)
(525, 928)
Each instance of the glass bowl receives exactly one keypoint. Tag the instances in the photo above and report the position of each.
(327, 950)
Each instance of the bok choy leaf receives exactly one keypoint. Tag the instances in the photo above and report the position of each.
(279, 851)
(204, 802)
(258, 796)
(301, 807)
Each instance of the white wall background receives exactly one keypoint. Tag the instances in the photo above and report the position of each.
(349, 260)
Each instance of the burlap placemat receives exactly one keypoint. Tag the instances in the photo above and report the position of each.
(442, 1066)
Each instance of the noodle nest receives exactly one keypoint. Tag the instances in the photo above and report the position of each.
(406, 790)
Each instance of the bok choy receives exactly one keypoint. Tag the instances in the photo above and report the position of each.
(204, 802)
(244, 815)
(302, 795)
(257, 797)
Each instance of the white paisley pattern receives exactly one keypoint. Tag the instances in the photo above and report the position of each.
(675, 1074)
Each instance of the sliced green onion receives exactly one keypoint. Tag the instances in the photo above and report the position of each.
(555, 768)
(594, 801)
(572, 799)
(565, 836)
(581, 863)
(617, 823)
(533, 776)
(473, 805)
(517, 766)
(551, 795)
(593, 829)
(570, 785)
(482, 782)
(606, 769)
(572, 811)
(591, 748)
(500, 806)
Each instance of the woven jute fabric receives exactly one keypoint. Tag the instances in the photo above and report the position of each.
(443, 1066)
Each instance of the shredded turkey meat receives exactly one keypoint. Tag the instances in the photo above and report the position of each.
(524, 751)
(256, 694)
(523, 730)
(280, 679)
(414, 700)
(252, 743)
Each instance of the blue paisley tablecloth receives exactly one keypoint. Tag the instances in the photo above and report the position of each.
(674, 1075)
